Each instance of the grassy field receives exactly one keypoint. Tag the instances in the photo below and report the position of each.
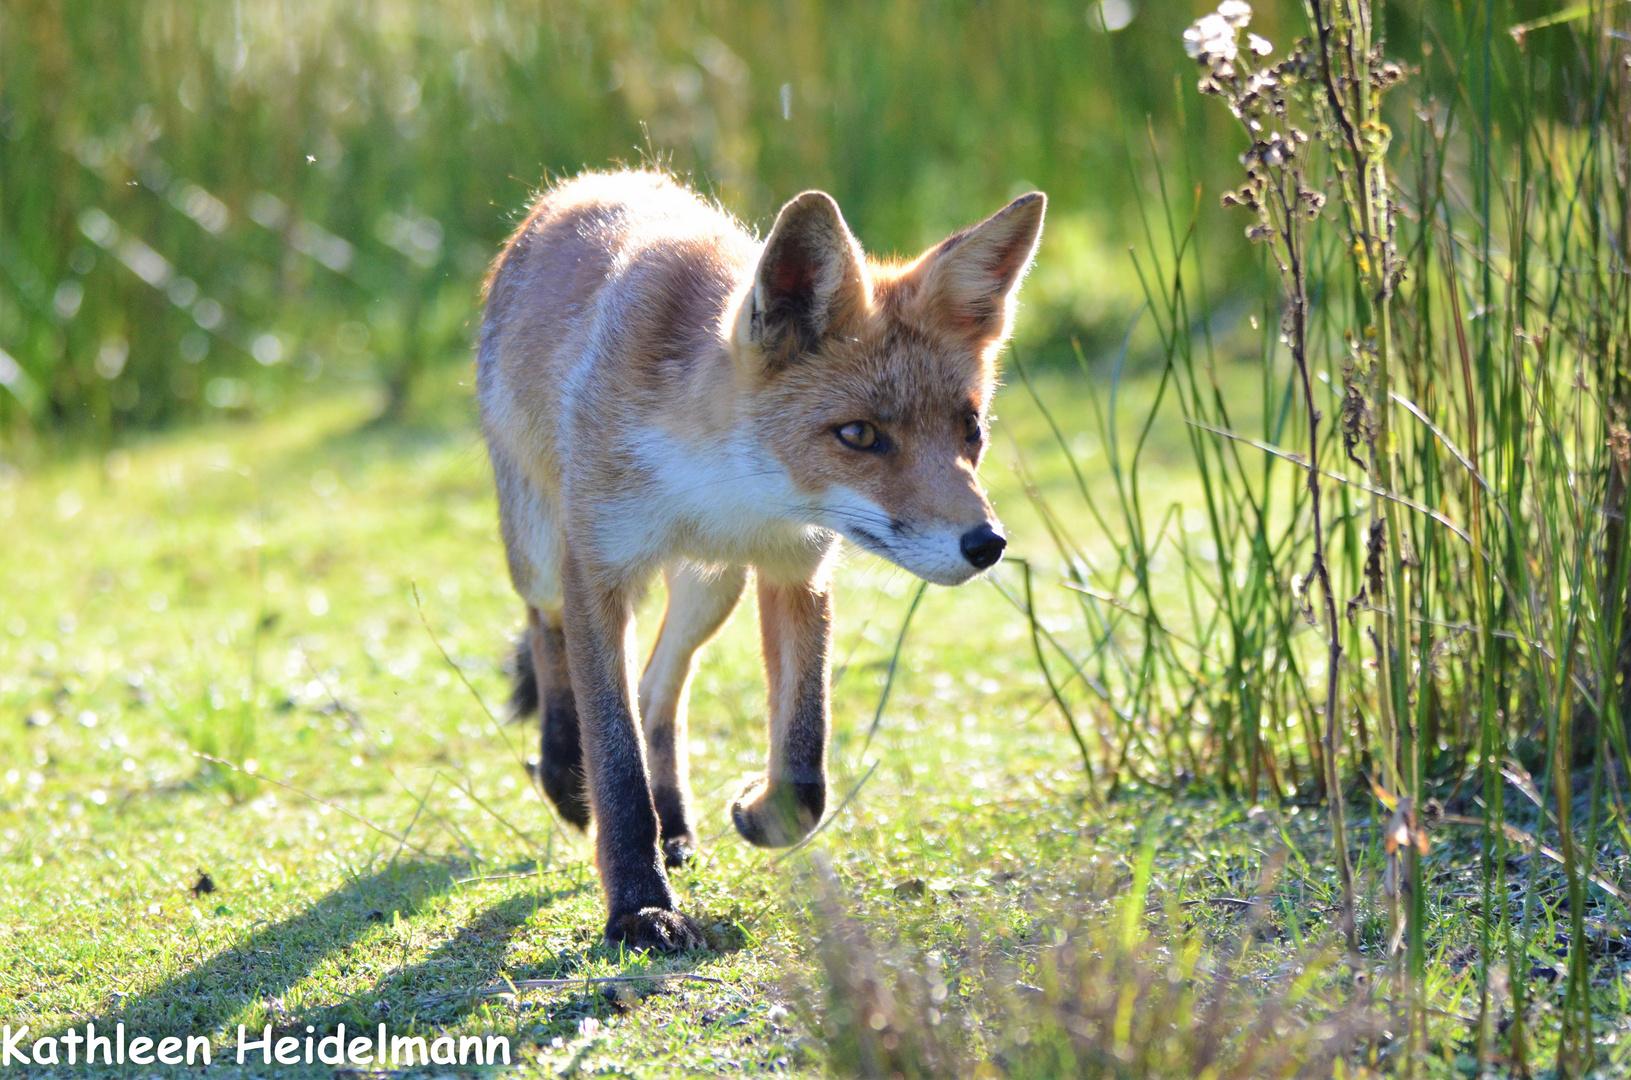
(377, 854)
(246, 591)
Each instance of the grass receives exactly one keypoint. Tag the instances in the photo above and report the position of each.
(244, 591)
(1452, 533)
(247, 587)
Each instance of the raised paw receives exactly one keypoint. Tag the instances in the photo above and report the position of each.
(778, 814)
(656, 930)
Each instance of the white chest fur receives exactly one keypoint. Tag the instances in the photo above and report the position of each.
(723, 502)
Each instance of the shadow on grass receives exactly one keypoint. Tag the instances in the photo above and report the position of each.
(446, 986)
(263, 967)
(461, 975)
(440, 991)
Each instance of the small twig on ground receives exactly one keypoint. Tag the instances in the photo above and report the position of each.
(516, 986)
(1231, 901)
(509, 876)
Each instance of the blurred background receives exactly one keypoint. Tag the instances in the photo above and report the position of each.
(208, 206)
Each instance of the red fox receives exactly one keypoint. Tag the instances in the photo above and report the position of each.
(659, 390)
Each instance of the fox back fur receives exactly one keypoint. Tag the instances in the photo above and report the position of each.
(661, 391)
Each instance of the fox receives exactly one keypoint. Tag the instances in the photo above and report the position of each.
(661, 392)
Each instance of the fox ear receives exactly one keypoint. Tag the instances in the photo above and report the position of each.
(970, 279)
(811, 277)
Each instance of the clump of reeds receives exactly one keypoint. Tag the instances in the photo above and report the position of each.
(1412, 591)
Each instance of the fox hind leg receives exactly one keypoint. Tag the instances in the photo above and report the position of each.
(527, 520)
(700, 599)
(542, 683)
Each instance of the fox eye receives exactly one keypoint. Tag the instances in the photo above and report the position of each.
(860, 435)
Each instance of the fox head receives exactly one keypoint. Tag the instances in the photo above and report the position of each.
(871, 382)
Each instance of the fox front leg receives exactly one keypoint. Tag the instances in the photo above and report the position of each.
(700, 599)
(782, 806)
(641, 908)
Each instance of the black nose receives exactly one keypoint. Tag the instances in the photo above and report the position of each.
(982, 545)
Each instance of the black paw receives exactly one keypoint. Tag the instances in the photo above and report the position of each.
(655, 929)
(560, 768)
(777, 814)
(677, 850)
(674, 820)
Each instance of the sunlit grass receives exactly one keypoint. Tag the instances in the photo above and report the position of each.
(244, 591)
(407, 861)
(207, 207)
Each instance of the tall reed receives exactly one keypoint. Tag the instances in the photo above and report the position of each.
(1413, 600)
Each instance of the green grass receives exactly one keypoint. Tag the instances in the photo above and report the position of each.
(245, 589)
(179, 121)
(248, 588)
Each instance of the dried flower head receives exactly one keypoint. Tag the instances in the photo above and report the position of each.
(1211, 40)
